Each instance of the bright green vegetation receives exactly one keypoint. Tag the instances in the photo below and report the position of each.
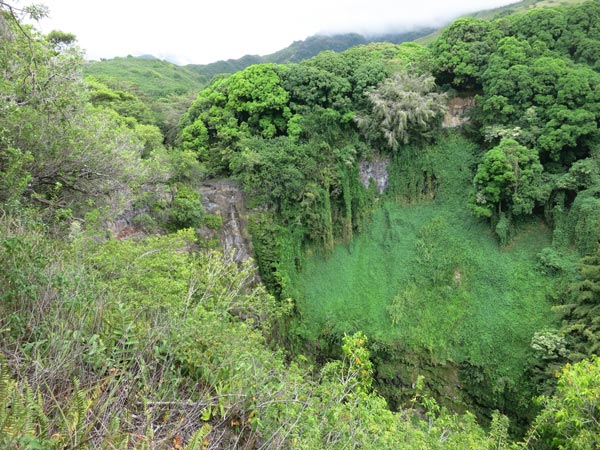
(154, 77)
(523, 6)
(565, 416)
(426, 317)
(436, 289)
(165, 90)
(430, 278)
(161, 79)
(514, 8)
(379, 284)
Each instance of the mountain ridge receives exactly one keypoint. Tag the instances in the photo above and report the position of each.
(148, 71)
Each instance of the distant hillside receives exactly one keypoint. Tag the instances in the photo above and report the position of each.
(496, 13)
(154, 77)
(158, 79)
(307, 48)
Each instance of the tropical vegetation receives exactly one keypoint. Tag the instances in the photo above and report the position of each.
(449, 302)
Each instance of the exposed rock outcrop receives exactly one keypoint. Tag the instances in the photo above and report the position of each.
(376, 170)
(226, 199)
(457, 111)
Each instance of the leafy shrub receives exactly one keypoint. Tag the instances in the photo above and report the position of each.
(186, 210)
(551, 261)
(213, 221)
(145, 222)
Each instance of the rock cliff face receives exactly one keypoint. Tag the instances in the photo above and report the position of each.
(457, 111)
(375, 170)
(226, 199)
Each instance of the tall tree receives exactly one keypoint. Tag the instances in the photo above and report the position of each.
(55, 147)
(461, 54)
(508, 180)
(404, 108)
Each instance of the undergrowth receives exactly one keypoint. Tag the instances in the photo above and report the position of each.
(428, 278)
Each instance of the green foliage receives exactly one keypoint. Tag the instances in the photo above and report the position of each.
(249, 102)
(131, 112)
(61, 40)
(177, 339)
(584, 218)
(462, 52)
(313, 189)
(212, 221)
(258, 98)
(145, 222)
(299, 51)
(309, 85)
(404, 109)
(553, 262)
(541, 95)
(21, 415)
(276, 172)
(583, 174)
(276, 248)
(146, 326)
(550, 353)
(427, 279)
(184, 165)
(155, 343)
(126, 103)
(507, 180)
(194, 138)
(262, 99)
(14, 174)
(535, 87)
(581, 309)
(363, 67)
(570, 417)
(55, 148)
(286, 133)
(154, 77)
(152, 91)
(186, 210)
(415, 58)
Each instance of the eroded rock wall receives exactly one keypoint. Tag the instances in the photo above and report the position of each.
(225, 198)
(375, 171)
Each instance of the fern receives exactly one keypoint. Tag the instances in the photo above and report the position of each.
(198, 440)
(21, 414)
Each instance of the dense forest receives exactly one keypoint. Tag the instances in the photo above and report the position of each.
(425, 230)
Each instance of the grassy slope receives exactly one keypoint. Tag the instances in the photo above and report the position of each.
(154, 77)
(159, 79)
(459, 294)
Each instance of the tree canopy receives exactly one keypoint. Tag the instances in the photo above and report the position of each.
(150, 337)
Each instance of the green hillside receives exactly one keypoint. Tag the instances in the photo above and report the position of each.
(521, 7)
(495, 13)
(154, 77)
(160, 79)
(305, 49)
(424, 221)
(430, 278)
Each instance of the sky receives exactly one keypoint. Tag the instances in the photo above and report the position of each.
(201, 31)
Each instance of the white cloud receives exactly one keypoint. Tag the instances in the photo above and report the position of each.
(206, 31)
